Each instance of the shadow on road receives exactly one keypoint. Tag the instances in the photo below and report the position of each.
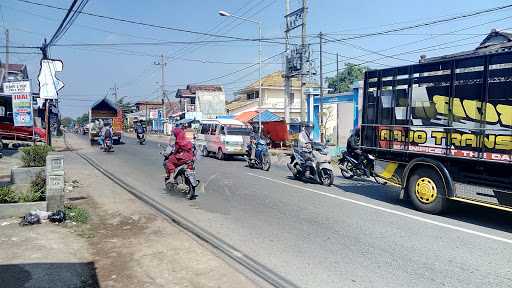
(473, 214)
(53, 275)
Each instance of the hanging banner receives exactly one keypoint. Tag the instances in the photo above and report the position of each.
(22, 109)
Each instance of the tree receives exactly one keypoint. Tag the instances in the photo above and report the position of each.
(126, 107)
(67, 121)
(82, 120)
(344, 80)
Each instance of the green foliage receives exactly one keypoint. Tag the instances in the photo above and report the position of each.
(344, 80)
(35, 156)
(67, 122)
(8, 195)
(30, 196)
(37, 190)
(126, 107)
(82, 120)
(76, 214)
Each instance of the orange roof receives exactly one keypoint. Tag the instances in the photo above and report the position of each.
(246, 116)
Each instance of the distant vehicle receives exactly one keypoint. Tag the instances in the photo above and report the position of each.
(85, 129)
(224, 137)
(105, 111)
(442, 129)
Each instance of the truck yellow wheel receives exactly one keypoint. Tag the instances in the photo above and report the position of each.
(426, 190)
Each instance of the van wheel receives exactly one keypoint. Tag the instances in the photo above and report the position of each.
(426, 191)
(205, 151)
(220, 155)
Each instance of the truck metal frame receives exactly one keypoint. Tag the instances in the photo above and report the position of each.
(443, 130)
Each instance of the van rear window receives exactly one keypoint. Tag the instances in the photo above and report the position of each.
(237, 130)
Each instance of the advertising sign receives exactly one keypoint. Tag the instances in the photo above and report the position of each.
(22, 109)
(17, 87)
(153, 114)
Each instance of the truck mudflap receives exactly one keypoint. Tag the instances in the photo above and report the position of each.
(389, 171)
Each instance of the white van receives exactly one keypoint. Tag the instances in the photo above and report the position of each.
(224, 137)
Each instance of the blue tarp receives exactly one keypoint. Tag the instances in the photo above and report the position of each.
(266, 116)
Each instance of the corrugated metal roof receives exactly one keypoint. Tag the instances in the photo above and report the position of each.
(266, 116)
(246, 116)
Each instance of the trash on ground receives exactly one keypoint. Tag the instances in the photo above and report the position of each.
(43, 215)
(30, 219)
(57, 217)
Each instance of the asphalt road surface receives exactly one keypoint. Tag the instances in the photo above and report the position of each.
(353, 234)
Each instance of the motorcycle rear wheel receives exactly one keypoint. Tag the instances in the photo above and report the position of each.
(346, 169)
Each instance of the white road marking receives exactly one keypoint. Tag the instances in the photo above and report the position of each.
(418, 218)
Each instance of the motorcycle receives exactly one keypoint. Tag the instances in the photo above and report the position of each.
(313, 165)
(107, 145)
(185, 180)
(351, 168)
(261, 158)
(141, 138)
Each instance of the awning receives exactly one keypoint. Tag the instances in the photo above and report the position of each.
(184, 121)
(266, 116)
(246, 116)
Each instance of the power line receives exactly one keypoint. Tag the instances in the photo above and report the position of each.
(143, 23)
(68, 20)
(367, 50)
(428, 23)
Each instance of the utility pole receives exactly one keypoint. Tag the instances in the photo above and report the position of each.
(162, 65)
(337, 65)
(303, 47)
(114, 92)
(287, 78)
(321, 110)
(6, 70)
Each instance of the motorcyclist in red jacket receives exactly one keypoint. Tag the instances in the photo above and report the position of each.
(183, 151)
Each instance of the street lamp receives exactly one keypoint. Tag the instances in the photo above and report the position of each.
(260, 97)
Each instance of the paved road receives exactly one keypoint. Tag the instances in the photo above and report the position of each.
(354, 234)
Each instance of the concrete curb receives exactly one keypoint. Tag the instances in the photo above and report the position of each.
(20, 209)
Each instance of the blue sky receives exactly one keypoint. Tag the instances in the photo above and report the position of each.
(89, 72)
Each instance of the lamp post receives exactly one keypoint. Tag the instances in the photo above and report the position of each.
(260, 101)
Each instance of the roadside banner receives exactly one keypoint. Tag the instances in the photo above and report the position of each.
(21, 102)
(22, 109)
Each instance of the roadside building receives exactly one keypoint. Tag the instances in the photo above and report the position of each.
(201, 101)
(272, 90)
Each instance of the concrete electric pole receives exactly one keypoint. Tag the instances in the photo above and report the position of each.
(162, 65)
(287, 78)
(6, 69)
(303, 47)
(321, 110)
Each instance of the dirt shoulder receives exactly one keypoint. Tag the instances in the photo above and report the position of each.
(132, 246)
(123, 244)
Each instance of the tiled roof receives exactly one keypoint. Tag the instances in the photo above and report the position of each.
(246, 116)
(15, 67)
(276, 79)
(238, 103)
(213, 88)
